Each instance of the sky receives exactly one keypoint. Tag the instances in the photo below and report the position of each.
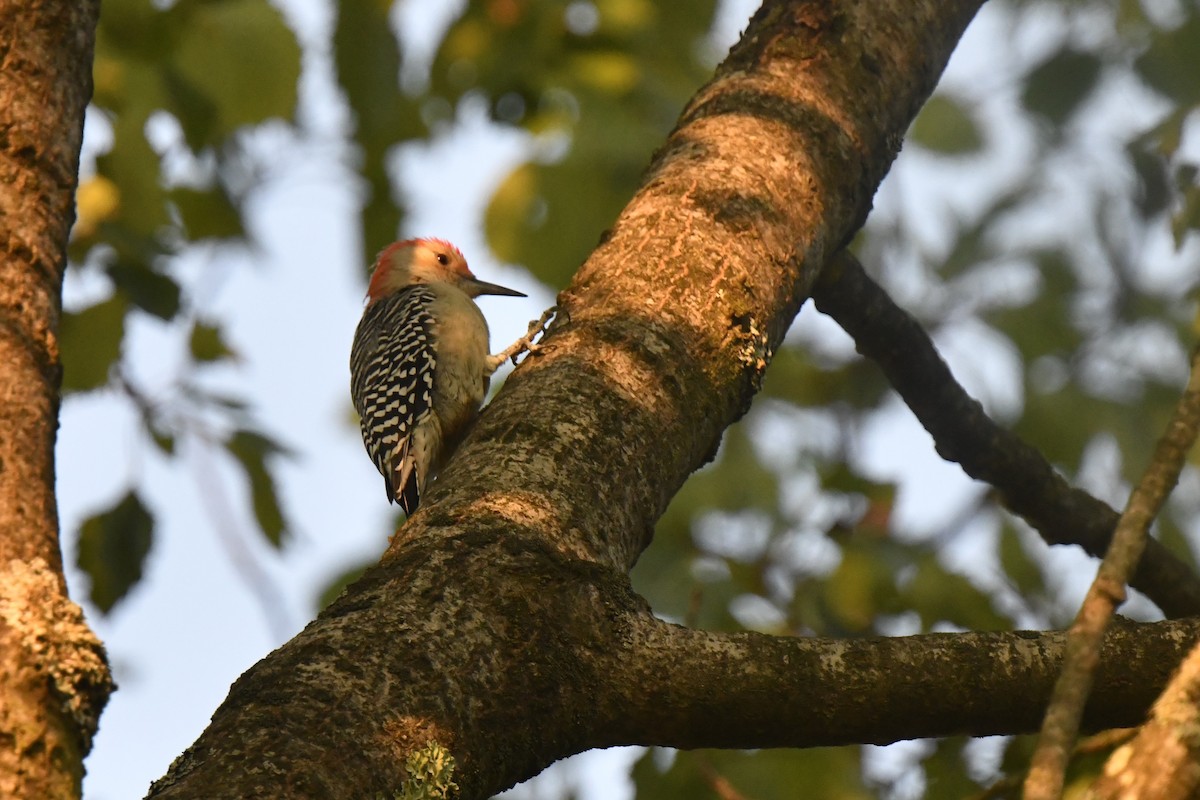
(215, 598)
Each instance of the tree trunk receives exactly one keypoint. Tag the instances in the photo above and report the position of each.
(54, 679)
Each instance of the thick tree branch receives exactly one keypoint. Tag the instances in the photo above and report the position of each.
(53, 677)
(962, 432)
(693, 689)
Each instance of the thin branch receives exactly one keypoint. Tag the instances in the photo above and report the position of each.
(964, 433)
(1061, 725)
(720, 785)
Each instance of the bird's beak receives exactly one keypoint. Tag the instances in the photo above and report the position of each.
(477, 287)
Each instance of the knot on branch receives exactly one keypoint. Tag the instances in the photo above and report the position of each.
(754, 352)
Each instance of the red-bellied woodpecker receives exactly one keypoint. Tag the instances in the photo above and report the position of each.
(419, 366)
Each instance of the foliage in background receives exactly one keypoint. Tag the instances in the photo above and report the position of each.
(1064, 260)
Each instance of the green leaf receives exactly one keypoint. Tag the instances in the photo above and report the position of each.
(90, 343)
(149, 289)
(938, 595)
(112, 549)
(611, 95)
(862, 587)
(207, 345)
(1154, 186)
(336, 586)
(133, 167)
(946, 772)
(1187, 219)
(795, 377)
(945, 126)
(241, 57)
(208, 213)
(1058, 86)
(252, 449)
(777, 774)
(1019, 566)
(164, 441)
(367, 59)
(1169, 64)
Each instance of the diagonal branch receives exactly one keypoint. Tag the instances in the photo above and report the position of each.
(962, 432)
(1048, 771)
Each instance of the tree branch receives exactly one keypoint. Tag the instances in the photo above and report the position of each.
(963, 433)
(1048, 771)
(691, 688)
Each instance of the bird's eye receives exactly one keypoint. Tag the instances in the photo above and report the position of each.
(443, 259)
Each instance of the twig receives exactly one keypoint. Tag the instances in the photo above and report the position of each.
(1061, 724)
(720, 785)
(963, 433)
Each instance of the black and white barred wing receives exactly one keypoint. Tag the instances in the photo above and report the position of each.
(391, 381)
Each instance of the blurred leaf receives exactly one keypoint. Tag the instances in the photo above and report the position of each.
(1169, 64)
(1154, 185)
(112, 549)
(339, 583)
(795, 377)
(367, 59)
(945, 126)
(1167, 136)
(1058, 86)
(844, 478)
(206, 396)
(252, 449)
(132, 168)
(539, 218)
(1187, 219)
(972, 246)
(208, 213)
(150, 290)
(607, 97)
(761, 774)
(939, 595)
(90, 343)
(607, 71)
(664, 573)
(1045, 326)
(241, 58)
(946, 773)
(207, 344)
(861, 588)
(1019, 566)
(96, 201)
(164, 441)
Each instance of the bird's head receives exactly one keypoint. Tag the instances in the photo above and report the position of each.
(415, 261)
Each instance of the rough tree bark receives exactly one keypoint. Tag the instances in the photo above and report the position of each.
(499, 633)
(54, 679)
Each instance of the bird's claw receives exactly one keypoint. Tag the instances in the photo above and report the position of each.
(526, 343)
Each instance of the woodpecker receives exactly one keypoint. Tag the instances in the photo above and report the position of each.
(419, 365)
